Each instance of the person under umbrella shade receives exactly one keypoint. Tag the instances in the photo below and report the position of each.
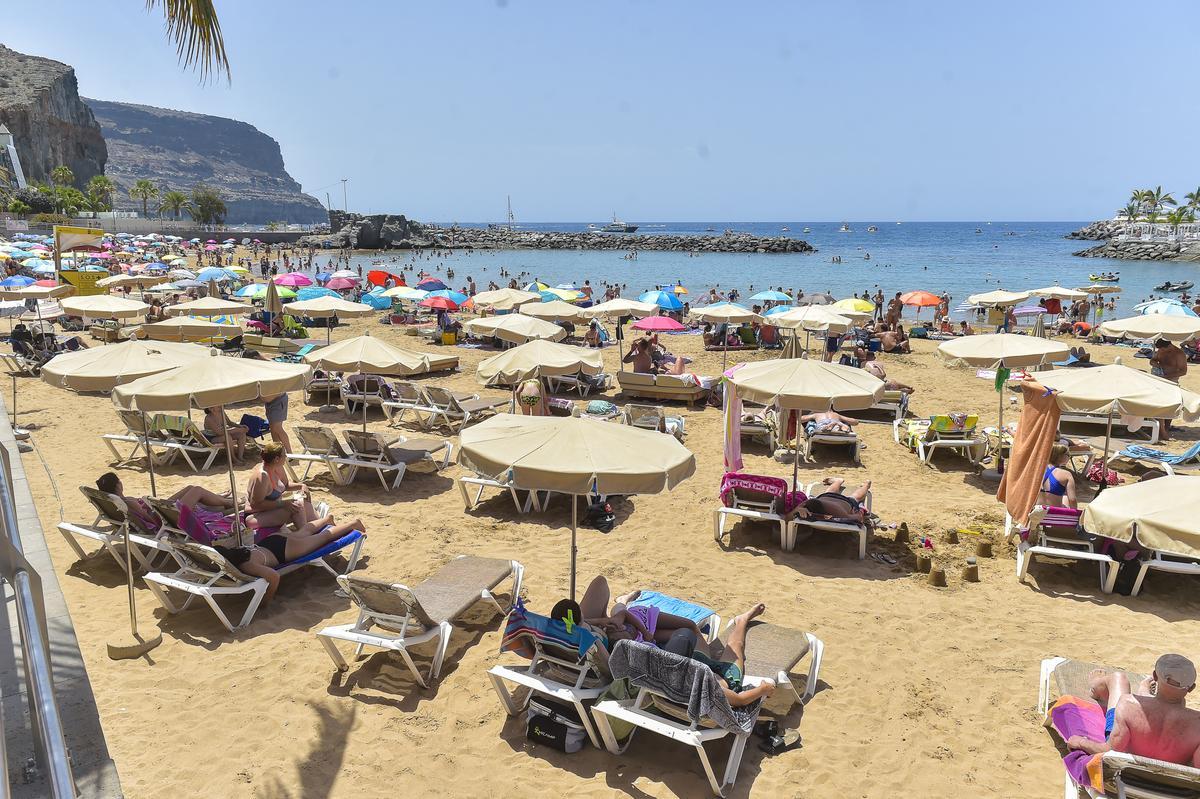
(726, 313)
(1000, 351)
(576, 457)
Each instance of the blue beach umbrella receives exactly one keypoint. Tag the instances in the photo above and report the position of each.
(1165, 307)
(321, 277)
(663, 299)
(16, 281)
(215, 273)
(432, 284)
(44, 268)
(771, 296)
(312, 292)
(377, 301)
(778, 309)
(188, 283)
(458, 297)
(157, 266)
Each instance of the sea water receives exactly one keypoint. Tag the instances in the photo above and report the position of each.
(961, 258)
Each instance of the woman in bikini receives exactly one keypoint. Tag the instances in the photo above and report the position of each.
(1058, 484)
(529, 399)
(147, 518)
(265, 495)
(217, 425)
(638, 623)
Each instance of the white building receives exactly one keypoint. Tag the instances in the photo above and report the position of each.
(9, 158)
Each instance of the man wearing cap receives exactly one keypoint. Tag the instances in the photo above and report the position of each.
(1155, 722)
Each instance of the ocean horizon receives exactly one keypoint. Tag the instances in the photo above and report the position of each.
(961, 258)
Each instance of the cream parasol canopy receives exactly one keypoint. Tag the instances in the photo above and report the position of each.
(1120, 390)
(372, 355)
(187, 328)
(536, 359)
(1161, 512)
(812, 317)
(620, 306)
(802, 384)
(325, 307)
(516, 328)
(1058, 293)
(999, 298)
(104, 368)
(504, 299)
(208, 306)
(574, 456)
(992, 350)
(141, 280)
(553, 311)
(104, 306)
(725, 313)
(211, 381)
(37, 292)
(1173, 328)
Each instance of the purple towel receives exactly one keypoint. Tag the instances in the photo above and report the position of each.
(1070, 716)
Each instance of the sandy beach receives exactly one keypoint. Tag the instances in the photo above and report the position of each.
(926, 691)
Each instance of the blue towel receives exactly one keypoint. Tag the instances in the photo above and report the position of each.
(328, 549)
(676, 607)
(256, 425)
(1150, 454)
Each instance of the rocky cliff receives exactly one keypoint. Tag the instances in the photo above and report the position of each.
(177, 149)
(40, 105)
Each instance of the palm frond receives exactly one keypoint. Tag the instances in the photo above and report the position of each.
(196, 31)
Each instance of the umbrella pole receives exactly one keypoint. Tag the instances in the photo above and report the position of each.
(149, 456)
(237, 519)
(796, 457)
(574, 549)
(364, 404)
(1104, 463)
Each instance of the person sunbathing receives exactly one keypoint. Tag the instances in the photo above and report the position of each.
(263, 558)
(147, 518)
(217, 425)
(637, 623)
(265, 495)
(828, 422)
(867, 362)
(895, 341)
(730, 673)
(1154, 722)
(834, 505)
(1058, 484)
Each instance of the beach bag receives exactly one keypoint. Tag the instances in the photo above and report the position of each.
(560, 407)
(256, 426)
(1098, 473)
(918, 332)
(554, 724)
(599, 516)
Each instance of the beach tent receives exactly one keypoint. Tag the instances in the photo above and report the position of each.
(515, 328)
(553, 311)
(574, 456)
(503, 299)
(1000, 351)
(537, 359)
(1153, 326)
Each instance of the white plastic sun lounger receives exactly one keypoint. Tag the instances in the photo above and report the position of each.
(826, 526)
(371, 451)
(109, 530)
(484, 483)
(1063, 542)
(394, 617)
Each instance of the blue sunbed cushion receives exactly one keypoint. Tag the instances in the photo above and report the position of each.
(676, 607)
(1151, 454)
(328, 549)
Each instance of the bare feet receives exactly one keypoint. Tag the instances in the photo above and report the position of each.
(751, 614)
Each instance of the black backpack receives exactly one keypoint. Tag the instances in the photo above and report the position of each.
(599, 516)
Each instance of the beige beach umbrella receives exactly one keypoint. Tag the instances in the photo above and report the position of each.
(189, 328)
(104, 368)
(619, 307)
(327, 308)
(574, 456)
(723, 314)
(504, 299)
(1161, 512)
(208, 306)
(1058, 293)
(1116, 390)
(36, 292)
(515, 328)
(537, 359)
(553, 311)
(271, 301)
(1000, 351)
(999, 298)
(1173, 328)
(203, 383)
(141, 281)
(1098, 288)
(104, 306)
(811, 318)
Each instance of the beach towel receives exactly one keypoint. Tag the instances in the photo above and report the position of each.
(675, 606)
(524, 626)
(1140, 452)
(733, 430)
(775, 486)
(1070, 716)
(1037, 430)
(683, 681)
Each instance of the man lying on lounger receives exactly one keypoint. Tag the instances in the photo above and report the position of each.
(828, 422)
(730, 673)
(833, 505)
(1154, 722)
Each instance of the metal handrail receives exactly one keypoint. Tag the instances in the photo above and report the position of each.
(50, 742)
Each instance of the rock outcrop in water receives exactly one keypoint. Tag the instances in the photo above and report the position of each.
(1103, 230)
(382, 231)
(178, 149)
(51, 126)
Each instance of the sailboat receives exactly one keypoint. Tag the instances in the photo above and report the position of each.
(510, 224)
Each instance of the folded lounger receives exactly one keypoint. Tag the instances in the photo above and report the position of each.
(393, 616)
(206, 573)
(1064, 701)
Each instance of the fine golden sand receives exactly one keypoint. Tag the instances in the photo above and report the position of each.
(924, 691)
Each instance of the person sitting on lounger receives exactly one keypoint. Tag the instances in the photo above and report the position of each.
(265, 495)
(191, 496)
(263, 558)
(834, 505)
(730, 673)
(867, 361)
(638, 623)
(1058, 484)
(1154, 722)
(217, 425)
(895, 341)
(639, 356)
(827, 422)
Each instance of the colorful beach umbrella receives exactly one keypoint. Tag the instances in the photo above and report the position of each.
(1164, 307)
(921, 299)
(457, 297)
(855, 304)
(770, 296)
(341, 284)
(292, 280)
(659, 324)
(663, 299)
(432, 284)
(439, 303)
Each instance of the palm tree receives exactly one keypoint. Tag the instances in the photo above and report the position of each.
(143, 190)
(1192, 199)
(1131, 212)
(1177, 217)
(1138, 197)
(173, 202)
(206, 205)
(1159, 199)
(193, 26)
(62, 176)
(100, 191)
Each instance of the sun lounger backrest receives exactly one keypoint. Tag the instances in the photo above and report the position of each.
(755, 491)
(108, 506)
(391, 600)
(441, 398)
(209, 560)
(367, 445)
(320, 441)
(648, 416)
(133, 422)
(407, 390)
(953, 425)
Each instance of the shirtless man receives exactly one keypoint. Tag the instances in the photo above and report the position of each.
(829, 422)
(866, 361)
(640, 356)
(833, 504)
(1155, 722)
(1170, 363)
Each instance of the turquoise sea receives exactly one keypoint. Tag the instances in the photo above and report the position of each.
(959, 257)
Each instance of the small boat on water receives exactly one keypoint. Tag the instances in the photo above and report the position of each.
(617, 226)
(785, 229)
(845, 228)
(1169, 286)
(1105, 277)
(807, 230)
(710, 230)
(872, 229)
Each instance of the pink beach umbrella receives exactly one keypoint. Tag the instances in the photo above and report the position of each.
(341, 284)
(659, 324)
(293, 280)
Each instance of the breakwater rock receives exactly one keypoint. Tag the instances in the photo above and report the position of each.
(382, 231)
(1103, 230)
(1134, 251)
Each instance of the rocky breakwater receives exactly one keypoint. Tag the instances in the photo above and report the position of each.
(1103, 230)
(1135, 250)
(382, 231)
(51, 126)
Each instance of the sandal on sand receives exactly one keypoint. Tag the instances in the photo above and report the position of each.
(780, 743)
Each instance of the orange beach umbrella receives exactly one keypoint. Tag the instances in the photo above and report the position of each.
(921, 299)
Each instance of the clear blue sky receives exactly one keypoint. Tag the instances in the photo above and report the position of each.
(791, 111)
